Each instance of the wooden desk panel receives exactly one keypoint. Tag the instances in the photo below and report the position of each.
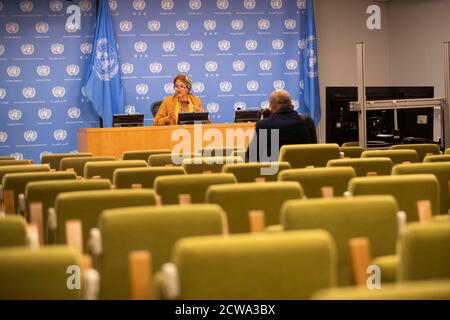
(114, 141)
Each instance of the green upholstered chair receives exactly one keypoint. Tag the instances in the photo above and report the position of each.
(142, 154)
(54, 160)
(406, 189)
(352, 152)
(22, 168)
(248, 172)
(13, 231)
(437, 158)
(41, 274)
(170, 187)
(440, 170)
(363, 166)
(155, 229)
(414, 290)
(425, 252)
(211, 164)
(305, 155)
(286, 266)
(7, 158)
(218, 151)
(77, 163)
(374, 217)
(238, 200)
(422, 150)
(87, 207)
(397, 156)
(105, 169)
(351, 144)
(126, 177)
(161, 160)
(313, 179)
(15, 162)
(447, 151)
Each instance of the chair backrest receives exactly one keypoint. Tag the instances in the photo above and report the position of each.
(406, 189)
(155, 229)
(422, 149)
(374, 217)
(155, 107)
(437, 158)
(77, 163)
(241, 267)
(105, 169)
(397, 156)
(7, 158)
(304, 155)
(13, 231)
(27, 274)
(425, 252)
(170, 187)
(447, 151)
(248, 172)
(312, 180)
(145, 177)
(440, 170)
(208, 164)
(352, 152)
(351, 144)
(142, 154)
(22, 168)
(15, 162)
(363, 166)
(238, 199)
(88, 205)
(54, 159)
(218, 151)
(161, 160)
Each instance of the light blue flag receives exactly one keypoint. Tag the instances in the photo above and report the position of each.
(310, 102)
(103, 84)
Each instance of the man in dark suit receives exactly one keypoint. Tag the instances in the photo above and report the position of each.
(283, 126)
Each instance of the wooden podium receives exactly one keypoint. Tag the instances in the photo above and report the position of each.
(185, 138)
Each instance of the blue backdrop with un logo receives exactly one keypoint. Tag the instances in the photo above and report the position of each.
(236, 52)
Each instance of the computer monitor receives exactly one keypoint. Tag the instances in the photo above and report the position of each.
(192, 117)
(247, 115)
(128, 120)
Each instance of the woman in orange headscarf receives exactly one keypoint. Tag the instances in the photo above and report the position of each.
(181, 101)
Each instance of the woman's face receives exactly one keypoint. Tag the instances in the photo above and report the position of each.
(181, 90)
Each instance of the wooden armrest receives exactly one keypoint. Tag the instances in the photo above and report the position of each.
(141, 281)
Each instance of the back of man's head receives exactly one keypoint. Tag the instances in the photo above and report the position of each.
(280, 99)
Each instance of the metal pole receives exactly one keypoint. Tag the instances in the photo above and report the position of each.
(361, 95)
(445, 110)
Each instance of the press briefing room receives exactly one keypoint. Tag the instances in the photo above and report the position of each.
(224, 150)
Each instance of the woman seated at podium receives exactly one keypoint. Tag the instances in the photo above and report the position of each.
(181, 101)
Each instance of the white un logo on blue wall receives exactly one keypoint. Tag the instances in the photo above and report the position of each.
(30, 135)
(15, 114)
(184, 66)
(106, 64)
(60, 134)
(45, 113)
(211, 66)
(3, 136)
(74, 112)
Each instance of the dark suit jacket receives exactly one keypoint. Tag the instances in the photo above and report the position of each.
(293, 129)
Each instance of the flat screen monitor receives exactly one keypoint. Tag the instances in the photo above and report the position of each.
(128, 120)
(192, 117)
(247, 116)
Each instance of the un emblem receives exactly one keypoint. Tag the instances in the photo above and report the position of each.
(240, 105)
(42, 27)
(196, 45)
(45, 113)
(17, 155)
(225, 86)
(142, 89)
(57, 48)
(74, 112)
(60, 134)
(276, 4)
(13, 71)
(222, 4)
(112, 5)
(86, 48)
(12, 27)
(140, 46)
(213, 107)
(291, 64)
(301, 4)
(302, 44)
(56, 5)
(211, 66)
(249, 4)
(129, 109)
(224, 45)
(277, 44)
(263, 24)
(29, 92)
(71, 27)
(195, 4)
(237, 24)
(167, 4)
(26, 6)
(296, 104)
(30, 135)
(238, 65)
(265, 65)
(252, 85)
(183, 66)
(168, 88)
(72, 70)
(106, 62)
(58, 92)
(264, 104)
(290, 24)
(85, 5)
(2, 93)
(278, 84)
(126, 26)
(169, 46)
(139, 5)
(198, 87)
(3, 136)
(15, 114)
(2, 49)
(127, 68)
(209, 24)
(251, 45)
(154, 25)
(155, 67)
(182, 25)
